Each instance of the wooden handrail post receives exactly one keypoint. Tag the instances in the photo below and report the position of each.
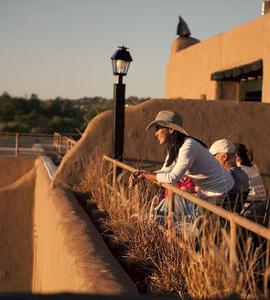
(171, 208)
(60, 144)
(17, 144)
(233, 253)
(54, 139)
(267, 271)
(58, 141)
(266, 283)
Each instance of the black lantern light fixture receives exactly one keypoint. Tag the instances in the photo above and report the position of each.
(121, 60)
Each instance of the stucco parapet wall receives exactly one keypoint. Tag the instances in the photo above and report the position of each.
(70, 255)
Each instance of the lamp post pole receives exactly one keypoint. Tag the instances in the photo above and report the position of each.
(118, 118)
(120, 62)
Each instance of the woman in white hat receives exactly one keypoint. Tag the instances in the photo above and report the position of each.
(186, 156)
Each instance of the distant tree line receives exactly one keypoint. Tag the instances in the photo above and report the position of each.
(33, 115)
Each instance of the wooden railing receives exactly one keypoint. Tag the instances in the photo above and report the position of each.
(24, 143)
(62, 143)
(233, 218)
(30, 143)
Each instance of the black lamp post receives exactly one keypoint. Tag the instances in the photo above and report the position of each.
(120, 63)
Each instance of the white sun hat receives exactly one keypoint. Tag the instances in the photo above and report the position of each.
(169, 119)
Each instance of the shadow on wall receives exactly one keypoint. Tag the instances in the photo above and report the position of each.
(207, 120)
(17, 190)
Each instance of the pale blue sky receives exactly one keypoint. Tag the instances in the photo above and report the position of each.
(63, 47)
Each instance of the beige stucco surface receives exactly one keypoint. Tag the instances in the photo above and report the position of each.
(48, 243)
(16, 219)
(189, 70)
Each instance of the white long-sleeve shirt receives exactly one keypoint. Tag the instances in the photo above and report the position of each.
(200, 165)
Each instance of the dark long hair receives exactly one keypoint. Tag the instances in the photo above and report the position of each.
(244, 155)
(178, 139)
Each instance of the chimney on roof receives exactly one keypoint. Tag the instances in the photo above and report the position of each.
(265, 7)
(184, 38)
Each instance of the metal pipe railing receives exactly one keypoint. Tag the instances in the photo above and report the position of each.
(221, 212)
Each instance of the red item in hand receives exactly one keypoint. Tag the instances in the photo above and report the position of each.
(186, 184)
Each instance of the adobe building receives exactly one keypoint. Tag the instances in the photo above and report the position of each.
(234, 65)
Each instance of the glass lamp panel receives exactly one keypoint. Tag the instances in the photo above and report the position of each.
(122, 66)
(114, 67)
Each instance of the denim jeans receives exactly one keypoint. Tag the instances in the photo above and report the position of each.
(184, 210)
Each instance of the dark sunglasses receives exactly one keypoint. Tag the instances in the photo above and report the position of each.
(157, 127)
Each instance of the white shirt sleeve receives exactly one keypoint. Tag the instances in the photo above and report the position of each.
(185, 159)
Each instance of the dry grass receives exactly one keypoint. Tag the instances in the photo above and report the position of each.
(195, 263)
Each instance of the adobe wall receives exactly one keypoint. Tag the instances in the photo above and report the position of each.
(189, 70)
(17, 186)
(69, 253)
(48, 244)
(244, 122)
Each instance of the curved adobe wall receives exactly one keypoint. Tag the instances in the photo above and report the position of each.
(48, 244)
(208, 120)
(69, 253)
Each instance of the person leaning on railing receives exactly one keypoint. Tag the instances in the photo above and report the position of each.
(186, 156)
(224, 151)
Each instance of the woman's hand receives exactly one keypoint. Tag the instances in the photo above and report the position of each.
(197, 189)
(134, 178)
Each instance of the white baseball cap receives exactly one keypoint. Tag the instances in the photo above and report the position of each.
(222, 146)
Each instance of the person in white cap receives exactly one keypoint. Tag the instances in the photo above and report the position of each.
(185, 156)
(224, 151)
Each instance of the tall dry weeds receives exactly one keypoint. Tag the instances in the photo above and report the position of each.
(195, 263)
